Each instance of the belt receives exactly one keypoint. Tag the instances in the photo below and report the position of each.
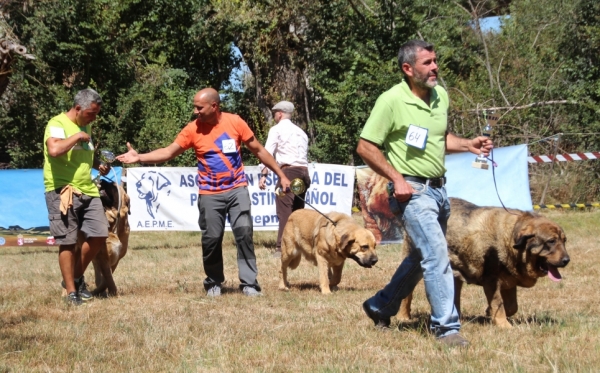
(437, 182)
(289, 165)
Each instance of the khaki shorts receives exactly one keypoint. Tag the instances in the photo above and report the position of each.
(86, 214)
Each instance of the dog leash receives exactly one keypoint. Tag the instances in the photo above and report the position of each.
(494, 165)
(279, 193)
(325, 216)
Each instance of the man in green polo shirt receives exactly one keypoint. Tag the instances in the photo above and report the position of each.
(73, 200)
(410, 122)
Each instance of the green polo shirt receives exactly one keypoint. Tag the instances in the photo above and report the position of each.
(387, 126)
(75, 166)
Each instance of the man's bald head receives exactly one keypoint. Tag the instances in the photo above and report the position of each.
(206, 105)
(209, 95)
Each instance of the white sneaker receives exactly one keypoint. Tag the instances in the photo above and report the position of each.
(215, 291)
(251, 292)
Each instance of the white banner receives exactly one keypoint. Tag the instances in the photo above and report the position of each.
(165, 198)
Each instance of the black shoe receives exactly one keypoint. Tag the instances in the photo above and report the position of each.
(81, 288)
(454, 340)
(73, 299)
(380, 322)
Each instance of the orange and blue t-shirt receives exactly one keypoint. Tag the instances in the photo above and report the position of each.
(218, 150)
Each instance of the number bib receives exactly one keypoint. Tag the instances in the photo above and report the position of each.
(416, 136)
(228, 146)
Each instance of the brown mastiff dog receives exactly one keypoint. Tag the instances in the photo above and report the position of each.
(499, 250)
(116, 207)
(326, 244)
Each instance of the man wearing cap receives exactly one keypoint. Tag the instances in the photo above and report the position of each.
(289, 145)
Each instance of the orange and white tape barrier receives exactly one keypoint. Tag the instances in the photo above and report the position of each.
(563, 157)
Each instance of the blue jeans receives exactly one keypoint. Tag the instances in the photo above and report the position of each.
(425, 218)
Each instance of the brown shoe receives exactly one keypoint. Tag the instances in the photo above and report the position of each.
(453, 340)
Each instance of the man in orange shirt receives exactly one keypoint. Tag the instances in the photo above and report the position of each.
(216, 138)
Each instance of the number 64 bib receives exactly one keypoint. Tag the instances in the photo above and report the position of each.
(416, 136)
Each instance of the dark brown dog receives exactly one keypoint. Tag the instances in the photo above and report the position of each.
(325, 244)
(116, 207)
(499, 250)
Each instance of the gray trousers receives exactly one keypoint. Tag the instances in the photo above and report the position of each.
(214, 208)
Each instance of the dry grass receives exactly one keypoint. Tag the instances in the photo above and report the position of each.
(162, 322)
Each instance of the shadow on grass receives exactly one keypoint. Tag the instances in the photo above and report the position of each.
(418, 322)
(539, 320)
(25, 317)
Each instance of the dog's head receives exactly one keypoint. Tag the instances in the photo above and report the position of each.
(541, 244)
(146, 188)
(356, 242)
(149, 186)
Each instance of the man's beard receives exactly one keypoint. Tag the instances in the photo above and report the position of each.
(422, 81)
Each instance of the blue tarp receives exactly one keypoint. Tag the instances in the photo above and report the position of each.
(478, 186)
(22, 200)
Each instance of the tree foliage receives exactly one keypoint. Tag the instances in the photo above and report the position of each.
(331, 58)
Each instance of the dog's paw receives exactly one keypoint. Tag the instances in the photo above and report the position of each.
(503, 323)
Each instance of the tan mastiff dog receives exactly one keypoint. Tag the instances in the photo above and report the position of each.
(325, 243)
(499, 249)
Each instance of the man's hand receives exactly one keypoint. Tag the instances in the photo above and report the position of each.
(82, 136)
(130, 157)
(103, 169)
(285, 184)
(481, 145)
(403, 191)
(262, 182)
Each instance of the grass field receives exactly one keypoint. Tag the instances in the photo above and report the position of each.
(163, 322)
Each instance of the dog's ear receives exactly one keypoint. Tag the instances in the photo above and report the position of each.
(521, 241)
(535, 246)
(346, 240)
(523, 231)
(530, 242)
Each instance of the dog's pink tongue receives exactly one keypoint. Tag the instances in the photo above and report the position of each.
(553, 273)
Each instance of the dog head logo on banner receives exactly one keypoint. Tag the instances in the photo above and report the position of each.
(375, 207)
(153, 187)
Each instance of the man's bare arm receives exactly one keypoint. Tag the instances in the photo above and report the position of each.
(267, 159)
(477, 145)
(373, 157)
(156, 156)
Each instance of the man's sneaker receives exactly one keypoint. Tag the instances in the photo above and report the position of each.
(277, 253)
(81, 288)
(214, 291)
(251, 292)
(453, 340)
(73, 299)
(380, 322)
